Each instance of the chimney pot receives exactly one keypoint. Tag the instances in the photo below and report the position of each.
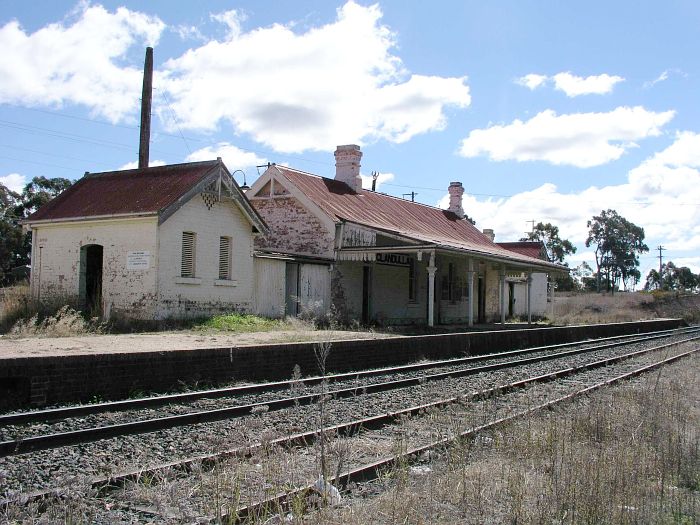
(456, 191)
(347, 166)
(490, 234)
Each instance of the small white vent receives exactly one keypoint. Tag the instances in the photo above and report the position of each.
(225, 258)
(188, 254)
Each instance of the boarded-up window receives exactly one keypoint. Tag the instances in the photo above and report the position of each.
(225, 258)
(188, 254)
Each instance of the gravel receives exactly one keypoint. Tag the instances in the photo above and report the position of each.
(61, 467)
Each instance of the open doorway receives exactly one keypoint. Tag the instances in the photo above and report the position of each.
(91, 279)
(481, 301)
(511, 299)
(366, 294)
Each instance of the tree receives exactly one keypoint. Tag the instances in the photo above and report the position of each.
(618, 243)
(557, 248)
(11, 237)
(672, 277)
(15, 245)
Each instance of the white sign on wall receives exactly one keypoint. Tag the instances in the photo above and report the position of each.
(138, 260)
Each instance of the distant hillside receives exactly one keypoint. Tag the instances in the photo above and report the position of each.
(604, 308)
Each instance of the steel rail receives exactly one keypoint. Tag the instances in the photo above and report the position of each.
(281, 501)
(343, 429)
(83, 436)
(52, 414)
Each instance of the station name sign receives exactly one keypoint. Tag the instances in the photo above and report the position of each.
(394, 259)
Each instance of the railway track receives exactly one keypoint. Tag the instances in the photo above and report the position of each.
(352, 426)
(281, 502)
(29, 439)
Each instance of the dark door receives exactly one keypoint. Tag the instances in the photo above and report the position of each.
(366, 293)
(511, 298)
(91, 278)
(481, 302)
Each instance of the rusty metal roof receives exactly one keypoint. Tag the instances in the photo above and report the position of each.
(530, 248)
(137, 191)
(400, 216)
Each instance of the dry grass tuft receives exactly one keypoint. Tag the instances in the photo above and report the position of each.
(591, 308)
(629, 454)
(65, 322)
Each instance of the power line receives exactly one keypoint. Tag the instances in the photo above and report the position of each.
(172, 113)
(206, 142)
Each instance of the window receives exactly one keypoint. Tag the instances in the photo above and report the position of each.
(453, 288)
(412, 282)
(224, 258)
(188, 254)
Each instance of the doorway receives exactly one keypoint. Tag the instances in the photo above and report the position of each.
(366, 293)
(292, 289)
(481, 302)
(511, 298)
(90, 284)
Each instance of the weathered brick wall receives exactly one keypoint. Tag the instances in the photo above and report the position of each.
(113, 376)
(293, 229)
(205, 294)
(56, 264)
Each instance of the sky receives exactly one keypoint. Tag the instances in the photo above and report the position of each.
(546, 111)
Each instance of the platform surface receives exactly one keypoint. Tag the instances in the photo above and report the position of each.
(154, 342)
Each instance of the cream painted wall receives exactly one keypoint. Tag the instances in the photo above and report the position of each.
(205, 294)
(56, 263)
(538, 301)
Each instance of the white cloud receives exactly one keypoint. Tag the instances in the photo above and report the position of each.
(532, 81)
(233, 157)
(575, 86)
(661, 195)
(78, 63)
(186, 32)
(663, 77)
(135, 164)
(337, 83)
(14, 182)
(381, 179)
(231, 19)
(578, 139)
(571, 84)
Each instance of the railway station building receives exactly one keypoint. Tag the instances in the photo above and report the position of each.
(184, 241)
(372, 257)
(149, 243)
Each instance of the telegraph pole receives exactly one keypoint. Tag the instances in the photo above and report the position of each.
(661, 261)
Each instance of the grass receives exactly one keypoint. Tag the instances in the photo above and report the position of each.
(628, 454)
(592, 308)
(237, 322)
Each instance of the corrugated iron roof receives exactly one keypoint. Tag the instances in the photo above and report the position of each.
(530, 248)
(400, 216)
(146, 190)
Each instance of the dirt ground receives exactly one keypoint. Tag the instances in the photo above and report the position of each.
(101, 344)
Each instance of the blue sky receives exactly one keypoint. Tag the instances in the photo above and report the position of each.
(545, 111)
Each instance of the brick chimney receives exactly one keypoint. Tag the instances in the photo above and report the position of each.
(456, 192)
(490, 234)
(347, 166)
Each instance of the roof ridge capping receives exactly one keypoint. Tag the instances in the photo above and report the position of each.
(201, 163)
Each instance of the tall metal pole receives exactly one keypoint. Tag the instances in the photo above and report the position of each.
(146, 96)
(661, 249)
